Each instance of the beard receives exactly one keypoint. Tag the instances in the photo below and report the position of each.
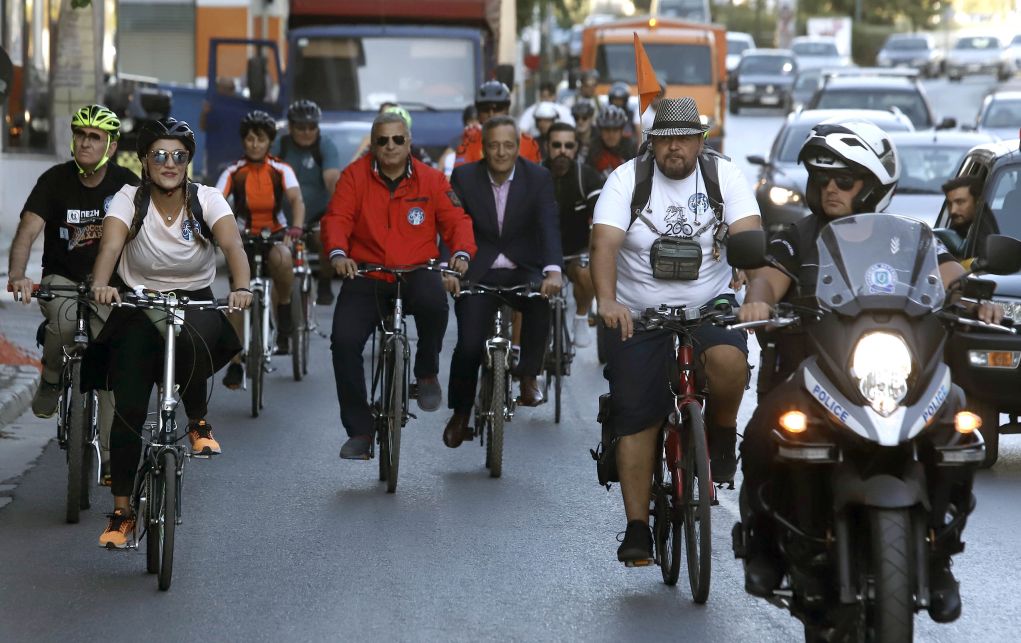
(560, 165)
(676, 170)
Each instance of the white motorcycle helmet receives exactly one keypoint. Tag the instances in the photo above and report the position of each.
(863, 148)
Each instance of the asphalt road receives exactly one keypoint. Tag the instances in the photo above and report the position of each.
(282, 540)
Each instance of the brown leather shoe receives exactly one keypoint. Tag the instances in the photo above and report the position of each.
(457, 429)
(531, 394)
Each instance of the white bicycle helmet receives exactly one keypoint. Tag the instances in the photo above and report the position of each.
(863, 148)
(545, 110)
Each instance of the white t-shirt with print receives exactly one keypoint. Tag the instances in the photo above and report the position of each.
(676, 208)
(168, 257)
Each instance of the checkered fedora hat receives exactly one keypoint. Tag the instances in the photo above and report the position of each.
(677, 117)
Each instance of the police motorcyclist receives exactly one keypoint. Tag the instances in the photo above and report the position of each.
(852, 168)
(611, 148)
(493, 98)
(316, 163)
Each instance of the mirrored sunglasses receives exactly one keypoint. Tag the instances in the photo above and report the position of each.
(160, 157)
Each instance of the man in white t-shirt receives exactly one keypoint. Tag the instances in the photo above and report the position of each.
(679, 206)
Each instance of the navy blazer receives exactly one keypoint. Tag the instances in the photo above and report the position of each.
(531, 224)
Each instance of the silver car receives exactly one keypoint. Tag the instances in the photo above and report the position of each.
(1000, 115)
(973, 55)
(814, 52)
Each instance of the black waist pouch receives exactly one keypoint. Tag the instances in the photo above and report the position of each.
(605, 453)
(675, 259)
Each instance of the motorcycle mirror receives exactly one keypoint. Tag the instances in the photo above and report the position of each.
(1002, 256)
(952, 240)
(747, 250)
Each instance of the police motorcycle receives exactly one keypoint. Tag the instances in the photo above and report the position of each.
(876, 421)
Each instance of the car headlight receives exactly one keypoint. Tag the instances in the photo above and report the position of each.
(881, 364)
(1011, 308)
(746, 89)
(783, 196)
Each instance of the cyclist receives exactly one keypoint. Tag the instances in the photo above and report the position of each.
(470, 120)
(611, 148)
(156, 239)
(417, 152)
(583, 114)
(67, 206)
(258, 184)
(618, 96)
(576, 189)
(637, 365)
(586, 91)
(510, 201)
(545, 116)
(388, 209)
(852, 168)
(492, 99)
(316, 164)
(547, 94)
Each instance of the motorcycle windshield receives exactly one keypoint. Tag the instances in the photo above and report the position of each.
(878, 262)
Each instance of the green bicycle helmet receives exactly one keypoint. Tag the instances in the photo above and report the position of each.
(99, 117)
(400, 111)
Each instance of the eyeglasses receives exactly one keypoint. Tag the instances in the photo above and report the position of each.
(844, 180)
(80, 136)
(567, 145)
(160, 157)
(398, 140)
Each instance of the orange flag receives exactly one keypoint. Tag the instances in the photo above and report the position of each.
(648, 86)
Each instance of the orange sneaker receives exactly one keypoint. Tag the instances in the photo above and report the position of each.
(119, 527)
(200, 434)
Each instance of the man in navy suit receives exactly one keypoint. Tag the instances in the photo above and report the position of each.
(517, 230)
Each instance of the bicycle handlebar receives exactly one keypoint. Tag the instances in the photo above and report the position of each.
(46, 293)
(521, 290)
(157, 300)
(582, 257)
(397, 271)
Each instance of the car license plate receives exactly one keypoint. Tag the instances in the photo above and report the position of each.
(770, 100)
(974, 67)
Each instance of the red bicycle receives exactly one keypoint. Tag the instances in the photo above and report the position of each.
(682, 489)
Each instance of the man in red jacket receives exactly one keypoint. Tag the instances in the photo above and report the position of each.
(388, 209)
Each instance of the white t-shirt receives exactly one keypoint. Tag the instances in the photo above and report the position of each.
(168, 257)
(677, 208)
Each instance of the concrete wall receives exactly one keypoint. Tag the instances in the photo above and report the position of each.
(18, 174)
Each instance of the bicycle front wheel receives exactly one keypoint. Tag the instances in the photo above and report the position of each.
(558, 359)
(255, 355)
(299, 332)
(696, 500)
(497, 402)
(166, 481)
(77, 418)
(150, 512)
(395, 416)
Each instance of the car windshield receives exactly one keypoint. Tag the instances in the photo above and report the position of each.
(807, 81)
(1003, 113)
(794, 137)
(925, 166)
(1016, 40)
(676, 64)
(736, 46)
(977, 43)
(771, 65)
(358, 74)
(907, 101)
(1004, 199)
(907, 44)
(815, 49)
(853, 263)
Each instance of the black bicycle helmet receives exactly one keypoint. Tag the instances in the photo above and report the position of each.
(304, 111)
(164, 128)
(612, 117)
(261, 121)
(619, 91)
(582, 109)
(492, 91)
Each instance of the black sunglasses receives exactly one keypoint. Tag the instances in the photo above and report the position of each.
(398, 140)
(569, 145)
(845, 180)
(160, 157)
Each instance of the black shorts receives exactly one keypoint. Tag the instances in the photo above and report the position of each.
(640, 371)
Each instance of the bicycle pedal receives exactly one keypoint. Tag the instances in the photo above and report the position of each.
(200, 456)
(639, 563)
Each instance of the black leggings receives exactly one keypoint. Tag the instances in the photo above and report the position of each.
(136, 365)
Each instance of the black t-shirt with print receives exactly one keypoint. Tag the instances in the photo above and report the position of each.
(74, 216)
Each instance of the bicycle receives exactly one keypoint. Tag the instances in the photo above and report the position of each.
(303, 320)
(259, 338)
(560, 345)
(77, 412)
(391, 373)
(494, 405)
(156, 497)
(682, 490)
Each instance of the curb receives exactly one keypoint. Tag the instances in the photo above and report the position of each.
(17, 386)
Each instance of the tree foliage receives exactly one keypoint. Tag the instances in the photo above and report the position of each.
(919, 13)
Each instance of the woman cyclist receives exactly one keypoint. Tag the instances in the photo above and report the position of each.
(158, 240)
(257, 185)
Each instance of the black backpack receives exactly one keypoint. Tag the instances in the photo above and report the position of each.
(707, 163)
(317, 152)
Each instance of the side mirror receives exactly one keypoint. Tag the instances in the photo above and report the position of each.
(747, 250)
(1002, 256)
(952, 240)
(948, 122)
(756, 159)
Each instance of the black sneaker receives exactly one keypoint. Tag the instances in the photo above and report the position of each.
(762, 574)
(232, 378)
(356, 448)
(283, 344)
(636, 548)
(722, 459)
(944, 592)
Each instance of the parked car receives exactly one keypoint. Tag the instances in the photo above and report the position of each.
(915, 51)
(927, 160)
(985, 364)
(1014, 51)
(1000, 114)
(780, 189)
(869, 88)
(814, 52)
(973, 55)
(763, 78)
(737, 43)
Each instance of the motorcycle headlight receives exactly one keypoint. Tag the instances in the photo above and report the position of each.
(783, 196)
(881, 364)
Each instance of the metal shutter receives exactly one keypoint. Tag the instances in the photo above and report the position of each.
(157, 38)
